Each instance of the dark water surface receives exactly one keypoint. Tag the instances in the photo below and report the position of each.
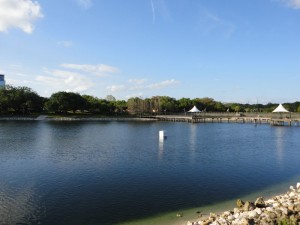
(90, 173)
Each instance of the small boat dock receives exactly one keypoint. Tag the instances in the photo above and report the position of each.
(227, 119)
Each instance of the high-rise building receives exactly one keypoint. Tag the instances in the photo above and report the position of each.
(2, 80)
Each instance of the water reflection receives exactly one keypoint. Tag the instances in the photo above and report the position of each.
(160, 149)
(279, 135)
(193, 129)
(193, 141)
(106, 173)
(19, 206)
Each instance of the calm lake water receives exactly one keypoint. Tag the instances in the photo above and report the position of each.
(90, 173)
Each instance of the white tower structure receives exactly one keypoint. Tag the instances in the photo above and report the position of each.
(2, 80)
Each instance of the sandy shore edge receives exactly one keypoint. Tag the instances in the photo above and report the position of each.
(280, 209)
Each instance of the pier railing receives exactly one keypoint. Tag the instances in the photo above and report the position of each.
(272, 119)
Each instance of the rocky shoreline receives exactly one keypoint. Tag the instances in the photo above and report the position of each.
(280, 210)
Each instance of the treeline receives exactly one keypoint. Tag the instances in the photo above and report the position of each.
(24, 101)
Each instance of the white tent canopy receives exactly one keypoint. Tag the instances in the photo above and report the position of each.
(194, 109)
(280, 109)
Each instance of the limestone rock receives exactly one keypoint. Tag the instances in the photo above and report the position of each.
(248, 206)
(239, 203)
(297, 207)
(260, 203)
(281, 207)
(258, 211)
(272, 215)
(292, 195)
(226, 213)
(253, 214)
(212, 216)
(206, 222)
(230, 218)
(244, 221)
(236, 211)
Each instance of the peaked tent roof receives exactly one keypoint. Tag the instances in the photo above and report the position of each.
(194, 109)
(280, 109)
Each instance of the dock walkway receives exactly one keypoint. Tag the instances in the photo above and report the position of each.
(224, 119)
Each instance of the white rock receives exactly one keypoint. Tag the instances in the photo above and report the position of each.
(226, 213)
(236, 210)
(292, 195)
(269, 209)
(263, 215)
(236, 215)
(253, 214)
(258, 211)
(298, 186)
(284, 211)
(222, 220)
(235, 222)
(270, 201)
(292, 188)
(230, 218)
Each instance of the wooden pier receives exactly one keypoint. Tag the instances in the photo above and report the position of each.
(227, 119)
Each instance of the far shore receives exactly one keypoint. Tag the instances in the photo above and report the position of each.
(73, 118)
(278, 120)
(84, 116)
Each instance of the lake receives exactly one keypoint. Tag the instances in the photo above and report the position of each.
(90, 173)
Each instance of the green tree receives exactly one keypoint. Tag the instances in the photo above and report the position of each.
(110, 98)
(62, 102)
(155, 104)
(96, 105)
(120, 106)
(198, 103)
(208, 103)
(92, 103)
(168, 104)
(219, 107)
(20, 100)
(184, 104)
(134, 105)
(237, 108)
(148, 106)
(105, 107)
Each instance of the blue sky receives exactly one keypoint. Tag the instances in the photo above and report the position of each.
(230, 50)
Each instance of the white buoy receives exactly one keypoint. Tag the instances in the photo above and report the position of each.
(162, 135)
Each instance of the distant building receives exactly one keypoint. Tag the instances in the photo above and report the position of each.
(2, 80)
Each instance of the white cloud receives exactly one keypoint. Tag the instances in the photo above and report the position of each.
(137, 81)
(85, 4)
(163, 84)
(100, 69)
(138, 85)
(293, 3)
(19, 14)
(116, 88)
(65, 80)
